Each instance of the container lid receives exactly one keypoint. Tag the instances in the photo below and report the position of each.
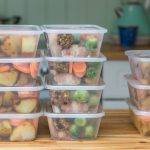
(37, 87)
(139, 55)
(73, 29)
(101, 58)
(14, 116)
(20, 60)
(20, 29)
(136, 111)
(48, 112)
(50, 86)
(135, 83)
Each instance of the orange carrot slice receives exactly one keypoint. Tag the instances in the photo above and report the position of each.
(70, 67)
(23, 67)
(80, 75)
(34, 69)
(16, 122)
(79, 68)
(4, 68)
(26, 94)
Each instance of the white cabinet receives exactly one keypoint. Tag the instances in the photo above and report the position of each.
(113, 75)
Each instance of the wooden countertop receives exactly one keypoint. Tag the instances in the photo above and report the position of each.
(115, 52)
(116, 133)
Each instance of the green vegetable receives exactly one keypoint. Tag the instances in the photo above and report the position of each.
(94, 64)
(80, 122)
(89, 131)
(81, 95)
(74, 130)
(91, 72)
(91, 43)
(93, 101)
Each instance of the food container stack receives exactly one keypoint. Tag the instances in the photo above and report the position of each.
(19, 84)
(75, 62)
(139, 89)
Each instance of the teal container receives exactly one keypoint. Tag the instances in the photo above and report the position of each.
(133, 14)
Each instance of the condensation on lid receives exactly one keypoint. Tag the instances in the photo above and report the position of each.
(20, 29)
(101, 58)
(20, 116)
(50, 86)
(74, 29)
(135, 83)
(139, 55)
(136, 111)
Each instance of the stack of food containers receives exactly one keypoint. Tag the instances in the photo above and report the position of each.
(19, 85)
(75, 63)
(139, 89)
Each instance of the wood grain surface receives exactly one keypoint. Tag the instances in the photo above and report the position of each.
(116, 133)
(115, 52)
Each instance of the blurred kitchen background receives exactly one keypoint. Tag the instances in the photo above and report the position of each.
(107, 13)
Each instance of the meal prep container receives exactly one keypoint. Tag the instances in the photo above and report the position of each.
(73, 126)
(19, 127)
(19, 40)
(19, 71)
(139, 93)
(74, 40)
(75, 99)
(20, 100)
(141, 120)
(75, 71)
(140, 64)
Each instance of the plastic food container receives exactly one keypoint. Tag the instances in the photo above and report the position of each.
(74, 40)
(141, 120)
(75, 71)
(140, 64)
(74, 126)
(19, 40)
(19, 127)
(139, 93)
(75, 99)
(19, 71)
(22, 100)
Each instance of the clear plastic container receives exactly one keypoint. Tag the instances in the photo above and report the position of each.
(22, 100)
(75, 99)
(19, 127)
(139, 93)
(140, 64)
(74, 40)
(19, 71)
(75, 71)
(73, 126)
(141, 119)
(19, 40)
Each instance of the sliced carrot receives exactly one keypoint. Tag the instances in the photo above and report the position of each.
(24, 94)
(80, 75)
(23, 67)
(4, 68)
(34, 69)
(70, 67)
(16, 122)
(79, 68)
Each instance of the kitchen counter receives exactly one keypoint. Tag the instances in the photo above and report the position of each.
(116, 132)
(115, 52)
